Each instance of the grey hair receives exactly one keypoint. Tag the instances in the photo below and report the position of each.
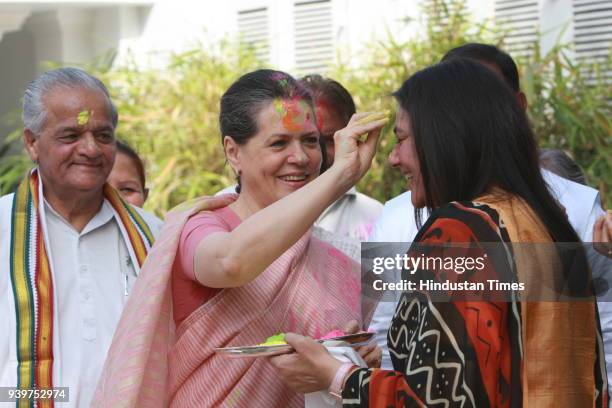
(34, 113)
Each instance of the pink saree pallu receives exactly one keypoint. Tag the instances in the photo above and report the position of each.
(311, 289)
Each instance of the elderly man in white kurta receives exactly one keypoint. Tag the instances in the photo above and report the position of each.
(70, 247)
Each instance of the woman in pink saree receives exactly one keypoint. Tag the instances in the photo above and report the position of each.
(234, 269)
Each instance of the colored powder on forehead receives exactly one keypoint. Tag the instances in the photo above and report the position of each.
(321, 106)
(83, 117)
(295, 114)
(279, 107)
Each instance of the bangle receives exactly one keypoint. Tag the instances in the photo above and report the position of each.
(335, 388)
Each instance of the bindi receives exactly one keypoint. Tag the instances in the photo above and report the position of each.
(83, 117)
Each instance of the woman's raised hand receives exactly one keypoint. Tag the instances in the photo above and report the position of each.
(352, 156)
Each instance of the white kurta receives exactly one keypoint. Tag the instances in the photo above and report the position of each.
(397, 224)
(352, 215)
(92, 275)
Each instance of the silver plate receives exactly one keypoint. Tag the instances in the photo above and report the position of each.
(255, 351)
(354, 340)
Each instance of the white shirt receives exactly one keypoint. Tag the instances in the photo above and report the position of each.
(349, 246)
(397, 224)
(227, 190)
(582, 203)
(352, 215)
(92, 273)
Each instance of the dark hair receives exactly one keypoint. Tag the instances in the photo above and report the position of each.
(332, 92)
(471, 135)
(335, 96)
(124, 148)
(489, 54)
(558, 162)
(246, 97)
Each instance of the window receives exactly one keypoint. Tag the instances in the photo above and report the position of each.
(253, 31)
(519, 18)
(314, 37)
(592, 29)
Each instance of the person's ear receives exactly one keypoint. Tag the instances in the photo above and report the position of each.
(146, 194)
(232, 153)
(31, 144)
(522, 100)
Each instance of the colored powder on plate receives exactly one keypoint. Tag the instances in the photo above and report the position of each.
(275, 340)
(333, 334)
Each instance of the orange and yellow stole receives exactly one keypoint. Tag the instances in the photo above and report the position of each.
(32, 281)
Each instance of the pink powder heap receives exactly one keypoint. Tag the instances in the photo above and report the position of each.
(333, 334)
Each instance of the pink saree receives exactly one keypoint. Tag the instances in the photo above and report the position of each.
(311, 289)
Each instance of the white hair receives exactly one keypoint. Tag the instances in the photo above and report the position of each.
(34, 112)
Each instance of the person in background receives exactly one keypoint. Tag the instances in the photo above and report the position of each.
(559, 162)
(70, 246)
(354, 213)
(472, 158)
(128, 175)
(232, 270)
(582, 203)
(396, 223)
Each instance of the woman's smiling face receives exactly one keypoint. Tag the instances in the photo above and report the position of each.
(283, 155)
(404, 156)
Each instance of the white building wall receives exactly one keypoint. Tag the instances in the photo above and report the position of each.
(587, 24)
(175, 25)
(556, 23)
(76, 31)
(34, 33)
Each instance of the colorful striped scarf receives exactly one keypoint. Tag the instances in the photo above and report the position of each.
(32, 280)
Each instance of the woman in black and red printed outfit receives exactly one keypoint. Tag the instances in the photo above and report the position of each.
(466, 144)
